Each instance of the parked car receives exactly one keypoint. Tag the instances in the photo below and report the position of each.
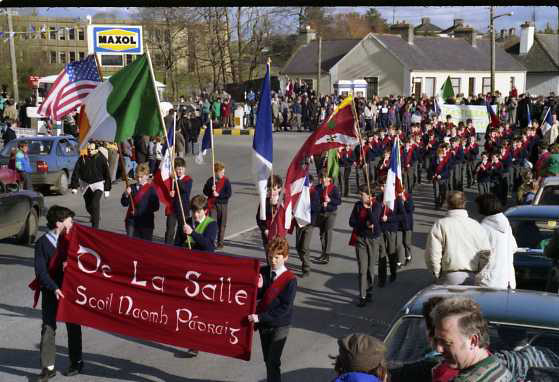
(548, 193)
(20, 210)
(519, 313)
(532, 227)
(52, 160)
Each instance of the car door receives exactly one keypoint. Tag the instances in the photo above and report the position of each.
(15, 207)
(66, 152)
(3, 212)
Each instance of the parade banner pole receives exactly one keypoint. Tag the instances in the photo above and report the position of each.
(119, 145)
(213, 155)
(165, 131)
(356, 123)
(173, 153)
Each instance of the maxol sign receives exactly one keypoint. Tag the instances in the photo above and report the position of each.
(115, 39)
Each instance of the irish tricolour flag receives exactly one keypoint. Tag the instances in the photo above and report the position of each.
(123, 106)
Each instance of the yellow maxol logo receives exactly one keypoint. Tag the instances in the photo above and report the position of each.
(117, 39)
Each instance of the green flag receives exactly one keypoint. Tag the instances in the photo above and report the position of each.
(333, 164)
(447, 89)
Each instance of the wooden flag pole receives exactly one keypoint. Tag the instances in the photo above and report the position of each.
(173, 153)
(365, 164)
(269, 65)
(165, 131)
(213, 154)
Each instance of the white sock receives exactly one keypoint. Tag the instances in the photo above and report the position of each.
(51, 367)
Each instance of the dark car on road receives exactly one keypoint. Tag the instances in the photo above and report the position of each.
(515, 313)
(19, 210)
(52, 160)
(532, 227)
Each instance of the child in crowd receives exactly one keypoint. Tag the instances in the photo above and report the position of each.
(218, 191)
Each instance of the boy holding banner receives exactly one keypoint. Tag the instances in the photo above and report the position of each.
(277, 287)
(218, 191)
(49, 276)
(142, 202)
(200, 230)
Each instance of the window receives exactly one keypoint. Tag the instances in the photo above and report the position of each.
(111, 60)
(53, 57)
(81, 34)
(71, 34)
(62, 33)
(416, 87)
(72, 56)
(455, 85)
(486, 87)
(62, 57)
(372, 87)
(471, 86)
(52, 33)
(429, 86)
(81, 55)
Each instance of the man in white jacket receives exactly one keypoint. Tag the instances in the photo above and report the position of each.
(499, 271)
(457, 246)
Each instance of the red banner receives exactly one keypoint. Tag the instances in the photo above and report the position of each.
(171, 295)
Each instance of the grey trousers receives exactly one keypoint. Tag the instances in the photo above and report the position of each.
(368, 252)
(219, 213)
(326, 223)
(406, 242)
(47, 350)
(303, 241)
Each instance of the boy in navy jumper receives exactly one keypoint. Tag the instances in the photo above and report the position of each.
(330, 200)
(200, 230)
(184, 183)
(303, 234)
(139, 219)
(218, 198)
(441, 175)
(277, 287)
(367, 239)
(390, 223)
(406, 225)
(272, 207)
(59, 220)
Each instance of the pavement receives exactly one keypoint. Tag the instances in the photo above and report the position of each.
(324, 307)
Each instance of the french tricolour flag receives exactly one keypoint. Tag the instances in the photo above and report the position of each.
(394, 183)
(262, 144)
(547, 122)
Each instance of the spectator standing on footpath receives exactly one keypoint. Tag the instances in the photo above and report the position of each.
(361, 358)
(457, 246)
(23, 165)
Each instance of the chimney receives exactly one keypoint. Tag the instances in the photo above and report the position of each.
(425, 20)
(306, 35)
(526, 37)
(458, 22)
(512, 32)
(405, 30)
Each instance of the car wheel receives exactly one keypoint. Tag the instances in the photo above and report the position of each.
(29, 230)
(62, 185)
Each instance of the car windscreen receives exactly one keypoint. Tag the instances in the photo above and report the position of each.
(407, 341)
(36, 147)
(550, 196)
(532, 233)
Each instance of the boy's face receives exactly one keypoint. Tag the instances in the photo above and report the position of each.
(325, 180)
(220, 173)
(143, 178)
(64, 225)
(181, 171)
(364, 197)
(199, 215)
(274, 193)
(276, 260)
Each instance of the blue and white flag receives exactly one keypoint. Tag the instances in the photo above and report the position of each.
(547, 122)
(302, 212)
(262, 144)
(207, 144)
(529, 114)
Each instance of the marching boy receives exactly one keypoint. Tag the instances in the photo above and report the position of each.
(175, 218)
(330, 200)
(272, 205)
(59, 220)
(277, 287)
(368, 241)
(218, 198)
(142, 202)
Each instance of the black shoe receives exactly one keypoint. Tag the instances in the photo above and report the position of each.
(191, 353)
(392, 277)
(399, 264)
(322, 260)
(369, 297)
(46, 374)
(381, 283)
(74, 369)
(362, 302)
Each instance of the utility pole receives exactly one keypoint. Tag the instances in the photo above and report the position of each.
(319, 68)
(492, 31)
(13, 57)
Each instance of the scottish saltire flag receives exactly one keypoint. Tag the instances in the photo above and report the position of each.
(493, 119)
(262, 144)
(302, 212)
(547, 122)
(207, 140)
(529, 114)
(394, 183)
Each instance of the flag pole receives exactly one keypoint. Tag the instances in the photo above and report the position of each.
(166, 135)
(269, 65)
(213, 155)
(119, 145)
(356, 124)
(172, 156)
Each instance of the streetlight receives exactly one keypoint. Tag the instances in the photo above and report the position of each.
(12, 54)
(492, 19)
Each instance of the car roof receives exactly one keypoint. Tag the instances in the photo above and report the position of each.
(533, 212)
(514, 306)
(45, 137)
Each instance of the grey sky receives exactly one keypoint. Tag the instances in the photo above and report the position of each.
(478, 16)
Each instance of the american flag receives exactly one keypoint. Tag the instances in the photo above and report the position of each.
(71, 87)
